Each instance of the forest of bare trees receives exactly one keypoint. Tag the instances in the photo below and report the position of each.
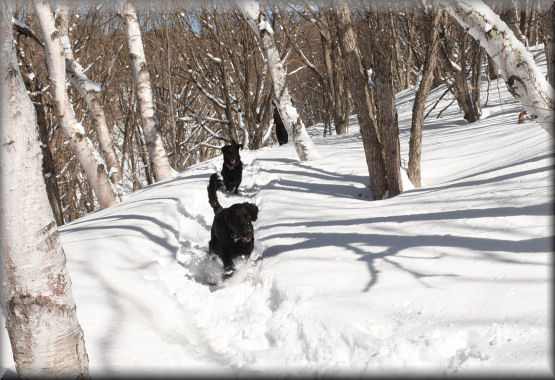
(167, 91)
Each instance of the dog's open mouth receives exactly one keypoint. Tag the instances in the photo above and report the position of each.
(247, 239)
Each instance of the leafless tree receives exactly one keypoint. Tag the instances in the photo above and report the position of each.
(523, 78)
(371, 136)
(424, 87)
(291, 119)
(89, 159)
(156, 151)
(37, 301)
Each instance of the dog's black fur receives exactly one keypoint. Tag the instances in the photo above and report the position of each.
(281, 132)
(232, 170)
(232, 234)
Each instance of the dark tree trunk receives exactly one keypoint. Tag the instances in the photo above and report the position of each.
(326, 51)
(550, 46)
(384, 65)
(143, 154)
(371, 137)
(415, 142)
(48, 167)
(510, 16)
(460, 85)
(477, 77)
(341, 93)
(398, 62)
(464, 99)
(265, 118)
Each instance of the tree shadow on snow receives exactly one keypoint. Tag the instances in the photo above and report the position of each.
(480, 182)
(544, 209)
(130, 224)
(487, 249)
(347, 190)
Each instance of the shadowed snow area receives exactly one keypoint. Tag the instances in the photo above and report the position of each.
(453, 277)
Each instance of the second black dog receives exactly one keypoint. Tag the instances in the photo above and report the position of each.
(281, 132)
(232, 234)
(232, 170)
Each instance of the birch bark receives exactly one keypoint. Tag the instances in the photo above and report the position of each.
(90, 91)
(151, 129)
(91, 162)
(37, 301)
(522, 77)
(291, 119)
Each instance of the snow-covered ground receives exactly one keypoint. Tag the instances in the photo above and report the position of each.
(454, 277)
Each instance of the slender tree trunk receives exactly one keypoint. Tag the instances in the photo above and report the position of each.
(231, 125)
(48, 167)
(463, 97)
(415, 142)
(326, 52)
(342, 103)
(398, 60)
(371, 136)
(532, 29)
(387, 119)
(522, 77)
(550, 47)
(523, 5)
(511, 19)
(94, 168)
(291, 119)
(156, 151)
(341, 94)
(460, 87)
(143, 154)
(265, 120)
(174, 144)
(37, 301)
(409, 53)
(90, 91)
(476, 80)
(471, 113)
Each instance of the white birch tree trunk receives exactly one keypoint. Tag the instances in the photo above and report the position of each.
(81, 145)
(291, 119)
(90, 91)
(522, 77)
(141, 77)
(37, 301)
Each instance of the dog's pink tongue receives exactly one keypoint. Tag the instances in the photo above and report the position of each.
(247, 239)
(232, 160)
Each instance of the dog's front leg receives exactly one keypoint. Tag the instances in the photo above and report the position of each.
(229, 267)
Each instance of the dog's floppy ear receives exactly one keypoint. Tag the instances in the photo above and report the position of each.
(233, 142)
(252, 209)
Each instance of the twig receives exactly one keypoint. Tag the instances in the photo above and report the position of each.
(440, 112)
(436, 103)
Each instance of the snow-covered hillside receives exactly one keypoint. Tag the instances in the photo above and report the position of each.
(453, 277)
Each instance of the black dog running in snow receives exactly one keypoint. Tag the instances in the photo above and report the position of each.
(232, 233)
(232, 170)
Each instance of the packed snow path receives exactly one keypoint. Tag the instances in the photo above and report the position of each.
(452, 277)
